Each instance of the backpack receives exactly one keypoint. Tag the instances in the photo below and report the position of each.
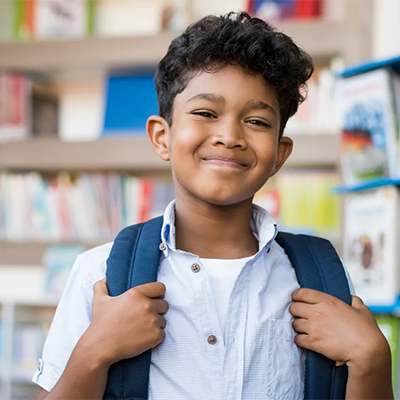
(134, 260)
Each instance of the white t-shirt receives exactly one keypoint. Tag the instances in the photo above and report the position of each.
(222, 275)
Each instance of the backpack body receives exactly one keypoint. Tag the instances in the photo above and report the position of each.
(134, 260)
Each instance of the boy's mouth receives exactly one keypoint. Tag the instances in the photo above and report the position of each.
(225, 162)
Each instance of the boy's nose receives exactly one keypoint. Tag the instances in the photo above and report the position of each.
(229, 135)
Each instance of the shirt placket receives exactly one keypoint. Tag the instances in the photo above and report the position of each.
(209, 331)
(235, 336)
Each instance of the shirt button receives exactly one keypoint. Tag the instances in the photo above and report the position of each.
(212, 339)
(269, 249)
(195, 268)
(163, 246)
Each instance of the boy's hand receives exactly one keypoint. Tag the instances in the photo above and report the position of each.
(340, 332)
(127, 325)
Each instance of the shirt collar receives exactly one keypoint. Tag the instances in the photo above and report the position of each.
(264, 227)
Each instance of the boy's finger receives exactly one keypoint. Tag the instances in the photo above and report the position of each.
(310, 296)
(300, 325)
(100, 287)
(153, 290)
(161, 306)
(303, 341)
(300, 310)
(162, 322)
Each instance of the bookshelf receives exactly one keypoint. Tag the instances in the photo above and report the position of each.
(15, 381)
(323, 39)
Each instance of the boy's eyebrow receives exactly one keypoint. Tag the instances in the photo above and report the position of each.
(260, 105)
(208, 96)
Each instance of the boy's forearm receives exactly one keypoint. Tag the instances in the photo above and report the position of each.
(84, 377)
(371, 379)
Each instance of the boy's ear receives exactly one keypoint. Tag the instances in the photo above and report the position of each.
(285, 148)
(158, 132)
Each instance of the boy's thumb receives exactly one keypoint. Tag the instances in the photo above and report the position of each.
(100, 288)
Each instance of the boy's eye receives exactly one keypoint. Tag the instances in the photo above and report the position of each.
(206, 114)
(259, 123)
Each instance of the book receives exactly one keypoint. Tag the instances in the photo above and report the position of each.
(367, 113)
(28, 107)
(271, 9)
(303, 202)
(306, 9)
(371, 228)
(52, 19)
(15, 111)
(130, 99)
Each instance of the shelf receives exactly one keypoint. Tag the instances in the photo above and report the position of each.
(97, 52)
(135, 154)
(27, 253)
(371, 184)
(46, 301)
(386, 309)
(322, 39)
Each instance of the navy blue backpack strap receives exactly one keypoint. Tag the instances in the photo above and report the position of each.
(319, 267)
(134, 260)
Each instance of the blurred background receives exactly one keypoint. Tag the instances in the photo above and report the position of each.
(76, 88)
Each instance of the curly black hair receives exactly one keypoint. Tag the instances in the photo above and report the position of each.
(235, 39)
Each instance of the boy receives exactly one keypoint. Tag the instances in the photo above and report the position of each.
(222, 318)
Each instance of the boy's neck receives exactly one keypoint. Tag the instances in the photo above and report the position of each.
(220, 232)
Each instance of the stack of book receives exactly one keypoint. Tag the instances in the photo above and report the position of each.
(27, 108)
(88, 208)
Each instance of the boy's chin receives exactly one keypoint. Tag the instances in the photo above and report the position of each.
(226, 201)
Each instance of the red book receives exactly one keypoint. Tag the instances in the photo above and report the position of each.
(307, 9)
(146, 199)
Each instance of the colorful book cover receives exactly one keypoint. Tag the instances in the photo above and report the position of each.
(367, 114)
(272, 9)
(371, 227)
(53, 19)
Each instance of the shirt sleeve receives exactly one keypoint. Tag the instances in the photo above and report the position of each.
(351, 285)
(71, 319)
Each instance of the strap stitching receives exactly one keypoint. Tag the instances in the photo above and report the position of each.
(122, 369)
(134, 256)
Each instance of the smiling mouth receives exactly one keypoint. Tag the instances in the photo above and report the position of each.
(225, 162)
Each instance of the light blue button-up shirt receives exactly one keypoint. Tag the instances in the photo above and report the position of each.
(257, 360)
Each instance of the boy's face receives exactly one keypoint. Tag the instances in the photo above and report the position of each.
(224, 140)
